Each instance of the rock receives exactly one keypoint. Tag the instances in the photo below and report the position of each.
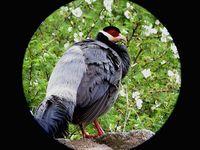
(125, 140)
(110, 141)
(84, 144)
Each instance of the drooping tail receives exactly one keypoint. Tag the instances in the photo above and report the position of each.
(54, 114)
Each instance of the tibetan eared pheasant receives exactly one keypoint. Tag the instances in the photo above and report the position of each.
(84, 84)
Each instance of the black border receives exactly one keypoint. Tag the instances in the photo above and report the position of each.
(21, 22)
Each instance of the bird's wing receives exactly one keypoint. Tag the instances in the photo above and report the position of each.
(98, 88)
(67, 75)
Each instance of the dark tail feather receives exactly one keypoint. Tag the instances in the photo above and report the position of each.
(54, 114)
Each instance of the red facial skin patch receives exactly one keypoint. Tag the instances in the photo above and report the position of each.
(113, 32)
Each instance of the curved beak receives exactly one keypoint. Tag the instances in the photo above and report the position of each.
(121, 37)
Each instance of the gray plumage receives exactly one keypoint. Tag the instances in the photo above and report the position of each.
(83, 86)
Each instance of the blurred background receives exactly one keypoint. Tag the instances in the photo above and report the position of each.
(148, 93)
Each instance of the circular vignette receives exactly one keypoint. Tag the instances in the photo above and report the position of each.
(148, 93)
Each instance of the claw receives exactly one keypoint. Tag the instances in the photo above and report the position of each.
(97, 126)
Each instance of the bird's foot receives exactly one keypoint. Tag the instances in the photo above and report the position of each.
(89, 136)
(99, 129)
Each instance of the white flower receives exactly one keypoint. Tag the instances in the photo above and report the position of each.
(53, 34)
(63, 10)
(127, 14)
(69, 29)
(163, 62)
(46, 54)
(101, 17)
(139, 103)
(76, 38)
(77, 12)
(149, 30)
(174, 50)
(136, 95)
(83, 20)
(88, 1)
(174, 76)
(122, 92)
(170, 73)
(165, 35)
(108, 5)
(128, 5)
(93, 25)
(75, 35)
(178, 78)
(157, 104)
(146, 73)
(66, 45)
(157, 22)
(80, 34)
(163, 39)
(124, 31)
(164, 31)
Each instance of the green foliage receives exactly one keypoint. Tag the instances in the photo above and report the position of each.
(150, 47)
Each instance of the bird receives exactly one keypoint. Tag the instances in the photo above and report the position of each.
(84, 84)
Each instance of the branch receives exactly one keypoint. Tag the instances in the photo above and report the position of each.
(154, 61)
(94, 23)
(127, 110)
(133, 32)
(30, 68)
(137, 56)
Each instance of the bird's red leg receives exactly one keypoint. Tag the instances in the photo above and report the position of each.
(85, 134)
(98, 127)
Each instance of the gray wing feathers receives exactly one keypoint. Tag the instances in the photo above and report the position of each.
(67, 74)
(98, 88)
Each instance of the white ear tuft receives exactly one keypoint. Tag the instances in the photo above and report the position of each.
(110, 37)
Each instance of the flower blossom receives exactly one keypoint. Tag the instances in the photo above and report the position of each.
(157, 22)
(139, 103)
(174, 50)
(128, 5)
(127, 14)
(170, 73)
(63, 10)
(174, 75)
(77, 12)
(138, 100)
(146, 73)
(108, 5)
(149, 30)
(101, 17)
(163, 62)
(136, 95)
(165, 35)
(122, 93)
(69, 29)
(88, 1)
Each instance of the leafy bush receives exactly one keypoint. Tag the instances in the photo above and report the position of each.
(148, 93)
